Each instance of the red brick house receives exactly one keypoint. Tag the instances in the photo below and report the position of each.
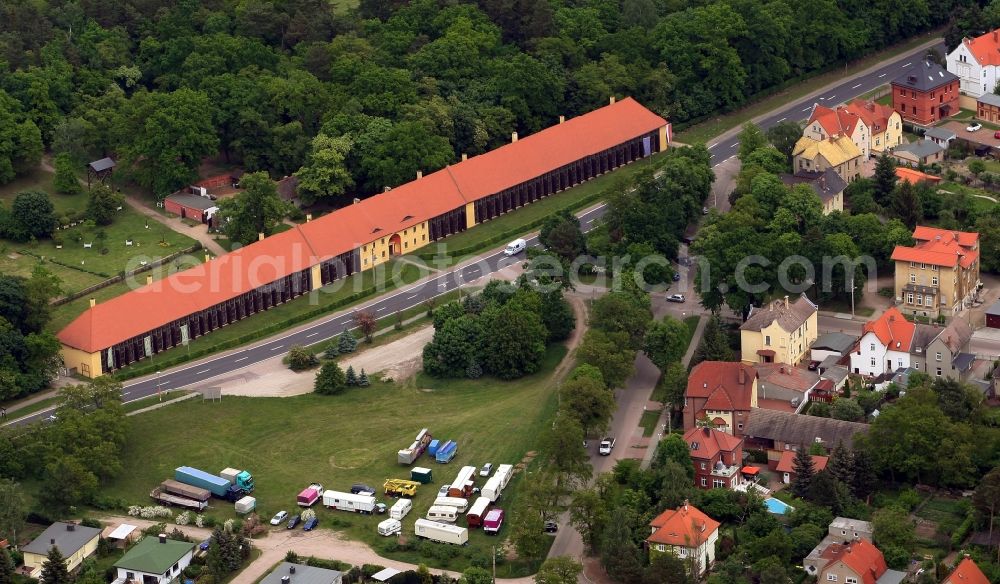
(717, 457)
(926, 93)
(722, 391)
(188, 206)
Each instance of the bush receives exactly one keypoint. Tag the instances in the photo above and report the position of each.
(331, 379)
(91, 522)
(300, 359)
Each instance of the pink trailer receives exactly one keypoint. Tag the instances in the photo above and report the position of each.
(493, 521)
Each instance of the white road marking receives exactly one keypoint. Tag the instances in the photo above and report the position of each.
(882, 75)
(908, 64)
(240, 359)
(805, 109)
(278, 348)
(202, 371)
(856, 86)
(834, 96)
(781, 120)
(713, 145)
(312, 335)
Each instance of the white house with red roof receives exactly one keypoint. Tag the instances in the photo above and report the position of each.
(884, 345)
(939, 274)
(687, 533)
(975, 62)
(857, 562)
(786, 465)
(717, 457)
(825, 123)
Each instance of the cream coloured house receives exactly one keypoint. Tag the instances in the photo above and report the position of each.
(885, 125)
(825, 123)
(780, 332)
(838, 153)
(75, 542)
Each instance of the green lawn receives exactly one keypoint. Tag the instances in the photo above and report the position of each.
(975, 195)
(37, 180)
(941, 509)
(339, 440)
(707, 130)
(964, 114)
(648, 422)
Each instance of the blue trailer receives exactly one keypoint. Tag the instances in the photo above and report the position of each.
(446, 452)
(219, 486)
(433, 448)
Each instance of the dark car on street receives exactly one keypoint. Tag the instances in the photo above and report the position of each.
(294, 521)
(311, 524)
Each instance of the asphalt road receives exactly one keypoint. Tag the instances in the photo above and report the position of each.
(449, 280)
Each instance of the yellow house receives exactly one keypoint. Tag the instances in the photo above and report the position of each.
(781, 332)
(827, 123)
(939, 275)
(75, 542)
(837, 153)
(885, 124)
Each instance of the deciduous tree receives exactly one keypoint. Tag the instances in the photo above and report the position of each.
(325, 173)
(666, 342)
(558, 570)
(13, 509)
(258, 209)
(103, 204)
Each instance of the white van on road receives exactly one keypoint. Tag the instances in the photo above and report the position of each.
(515, 247)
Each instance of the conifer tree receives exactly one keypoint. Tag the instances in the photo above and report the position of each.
(804, 469)
(54, 570)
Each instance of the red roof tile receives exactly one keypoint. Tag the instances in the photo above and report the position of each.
(985, 48)
(940, 247)
(863, 558)
(966, 572)
(892, 330)
(720, 382)
(787, 462)
(874, 115)
(914, 176)
(710, 442)
(685, 526)
(835, 121)
(182, 294)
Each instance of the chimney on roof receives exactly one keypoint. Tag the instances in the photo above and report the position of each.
(996, 37)
(611, 101)
(70, 527)
(260, 236)
(513, 137)
(149, 279)
(685, 504)
(464, 157)
(291, 569)
(93, 302)
(163, 538)
(309, 217)
(207, 257)
(357, 200)
(781, 369)
(285, 580)
(420, 174)
(786, 301)
(707, 430)
(562, 119)
(742, 375)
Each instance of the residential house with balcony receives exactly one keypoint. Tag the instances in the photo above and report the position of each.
(939, 274)
(885, 125)
(686, 532)
(884, 346)
(975, 61)
(717, 457)
(722, 392)
(840, 531)
(780, 332)
(857, 562)
(154, 560)
(926, 93)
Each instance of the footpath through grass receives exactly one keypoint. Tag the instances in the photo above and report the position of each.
(705, 131)
(340, 440)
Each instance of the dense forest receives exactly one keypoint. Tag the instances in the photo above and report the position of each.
(390, 88)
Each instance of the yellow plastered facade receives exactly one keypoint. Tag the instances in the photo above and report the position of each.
(86, 364)
(470, 215)
(663, 139)
(316, 277)
(35, 561)
(394, 244)
(788, 346)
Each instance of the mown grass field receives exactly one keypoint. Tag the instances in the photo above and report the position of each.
(340, 440)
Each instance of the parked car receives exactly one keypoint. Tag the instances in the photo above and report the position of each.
(277, 519)
(311, 524)
(551, 527)
(677, 277)
(443, 491)
(293, 522)
(203, 546)
(974, 127)
(486, 470)
(380, 508)
(361, 488)
(675, 298)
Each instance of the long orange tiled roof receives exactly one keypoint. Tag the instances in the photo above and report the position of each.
(892, 330)
(686, 526)
(914, 176)
(985, 48)
(940, 247)
(184, 293)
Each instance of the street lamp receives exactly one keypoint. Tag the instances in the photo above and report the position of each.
(159, 396)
